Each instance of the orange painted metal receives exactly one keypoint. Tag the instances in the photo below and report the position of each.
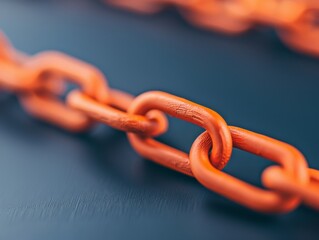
(187, 111)
(89, 78)
(279, 180)
(49, 108)
(295, 20)
(38, 82)
(278, 13)
(114, 116)
(230, 17)
(44, 105)
(291, 160)
(303, 33)
(11, 66)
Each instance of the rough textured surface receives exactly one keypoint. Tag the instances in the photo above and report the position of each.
(56, 185)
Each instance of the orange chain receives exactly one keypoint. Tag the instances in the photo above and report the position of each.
(296, 21)
(38, 82)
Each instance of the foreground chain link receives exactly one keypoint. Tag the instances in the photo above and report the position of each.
(296, 21)
(38, 82)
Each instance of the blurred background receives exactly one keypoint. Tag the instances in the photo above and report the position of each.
(58, 185)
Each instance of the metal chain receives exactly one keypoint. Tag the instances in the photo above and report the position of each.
(38, 82)
(296, 21)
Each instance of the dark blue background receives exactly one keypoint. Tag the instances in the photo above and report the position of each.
(57, 185)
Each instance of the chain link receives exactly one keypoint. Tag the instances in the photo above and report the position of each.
(296, 21)
(37, 82)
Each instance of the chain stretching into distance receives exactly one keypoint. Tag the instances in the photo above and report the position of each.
(296, 21)
(38, 82)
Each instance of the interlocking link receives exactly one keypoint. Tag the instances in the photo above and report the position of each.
(115, 116)
(277, 179)
(291, 160)
(11, 66)
(47, 105)
(38, 81)
(89, 78)
(296, 21)
(187, 111)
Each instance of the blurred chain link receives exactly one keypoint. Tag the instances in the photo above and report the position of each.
(295, 21)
